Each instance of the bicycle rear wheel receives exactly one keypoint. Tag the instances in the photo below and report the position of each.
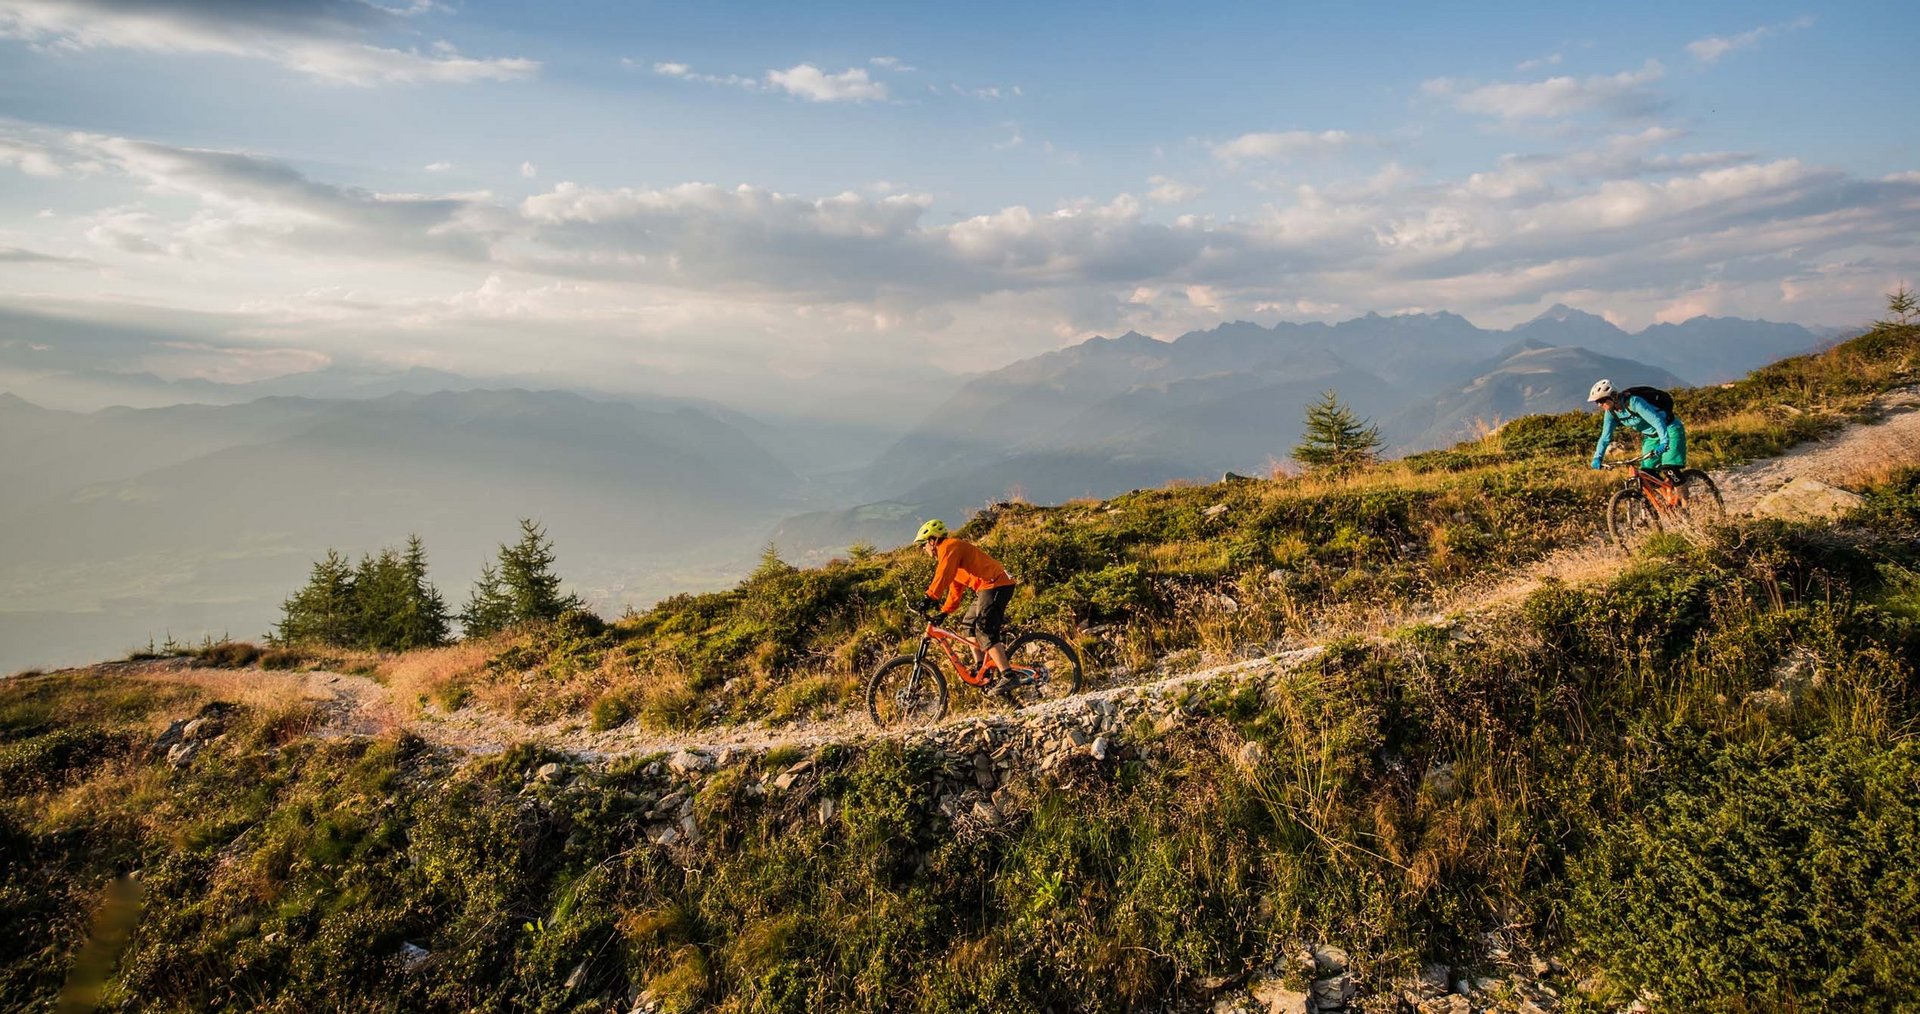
(1630, 517)
(1701, 496)
(1055, 665)
(905, 691)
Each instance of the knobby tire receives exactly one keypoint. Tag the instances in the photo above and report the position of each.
(926, 701)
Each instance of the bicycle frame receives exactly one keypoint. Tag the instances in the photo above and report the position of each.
(1664, 495)
(947, 639)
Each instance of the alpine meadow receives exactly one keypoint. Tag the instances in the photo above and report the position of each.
(1299, 509)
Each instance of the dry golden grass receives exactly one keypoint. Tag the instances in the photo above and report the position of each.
(434, 674)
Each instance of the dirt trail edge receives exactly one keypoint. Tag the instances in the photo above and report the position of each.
(352, 705)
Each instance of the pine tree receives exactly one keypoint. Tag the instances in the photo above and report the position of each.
(489, 609)
(380, 601)
(526, 571)
(1336, 440)
(1902, 306)
(426, 612)
(323, 612)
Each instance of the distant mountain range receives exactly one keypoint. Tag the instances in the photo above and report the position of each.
(202, 510)
(1110, 414)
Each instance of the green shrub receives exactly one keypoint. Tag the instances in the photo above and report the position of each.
(1772, 876)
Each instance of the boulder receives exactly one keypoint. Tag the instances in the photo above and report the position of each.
(181, 754)
(690, 762)
(1806, 500)
(413, 957)
(1329, 960)
(1276, 998)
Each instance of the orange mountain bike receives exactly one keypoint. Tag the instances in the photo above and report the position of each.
(912, 689)
(1652, 502)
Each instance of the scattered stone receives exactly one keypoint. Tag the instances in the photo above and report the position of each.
(181, 754)
(1333, 992)
(1215, 511)
(1440, 781)
(1077, 738)
(413, 956)
(201, 728)
(1433, 981)
(690, 762)
(986, 813)
(1452, 1004)
(826, 810)
(576, 977)
(1806, 500)
(1099, 748)
(1274, 995)
(1236, 477)
(1251, 755)
(547, 772)
(1329, 960)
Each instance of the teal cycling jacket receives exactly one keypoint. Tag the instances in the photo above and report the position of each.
(1638, 416)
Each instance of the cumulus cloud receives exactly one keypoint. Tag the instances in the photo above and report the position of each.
(1713, 47)
(328, 39)
(1636, 220)
(815, 85)
(1627, 94)
(1167, 190)
(32, 159)
(1282, 146)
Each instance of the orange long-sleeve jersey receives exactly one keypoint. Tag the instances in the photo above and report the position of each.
(962, 564)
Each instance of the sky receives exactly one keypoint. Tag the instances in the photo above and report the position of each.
(795, 204)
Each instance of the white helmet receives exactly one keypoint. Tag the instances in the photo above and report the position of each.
(1603, 389)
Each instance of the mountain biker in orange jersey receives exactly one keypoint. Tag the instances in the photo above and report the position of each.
(965, 565)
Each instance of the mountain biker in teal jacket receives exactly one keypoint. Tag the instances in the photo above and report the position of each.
(1663, 442)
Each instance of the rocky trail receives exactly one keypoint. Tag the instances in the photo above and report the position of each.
(355, 705)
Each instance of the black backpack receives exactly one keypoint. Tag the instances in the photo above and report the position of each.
(1651, 395)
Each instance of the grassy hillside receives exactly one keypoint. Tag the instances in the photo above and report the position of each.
(1698, 778)
(1694, 780)
(1144, 577)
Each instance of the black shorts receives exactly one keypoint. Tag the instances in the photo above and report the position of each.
(988, 616)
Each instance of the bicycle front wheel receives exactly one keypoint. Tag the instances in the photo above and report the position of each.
(905, 691)
(1055, 665)
(1630, 517)
(1701, 496)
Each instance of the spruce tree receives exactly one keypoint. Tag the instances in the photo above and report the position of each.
(526, 571)
(426, 613)
(323, 612)
(1336, 440)
(489, 609)
(1902, 306)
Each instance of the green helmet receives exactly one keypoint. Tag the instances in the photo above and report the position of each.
(931, 530)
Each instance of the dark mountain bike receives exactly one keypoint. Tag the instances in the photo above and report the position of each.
(912, 689)
(1652, 502)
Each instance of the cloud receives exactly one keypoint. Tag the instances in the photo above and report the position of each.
(21, 255)
(1537, 63)
(528, 170)
(1713, 47)
(1282, 146)
(804, 81)
(32, 159)
(437, 167)
(814, 85)
(1633, 222)
(1627, 94)
(892, 63)
(326, 39)
(1167, 190)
